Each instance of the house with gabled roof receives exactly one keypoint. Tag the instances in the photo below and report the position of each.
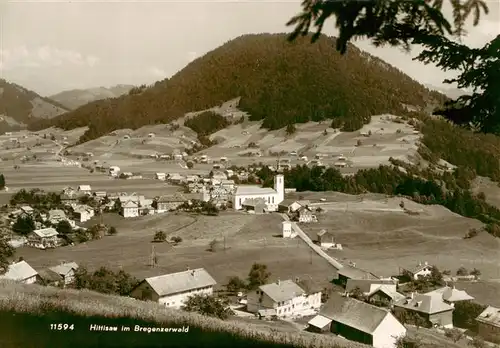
(451, 295)
(431, 308)
(488, 324)
(358, 321)
(83, 212)
(43, 238)
(342, 275)
(172, 290)
(130, 209)
(85, 189)
(66, 270)
(48, 277)
(422, 269)
(22, 272)
(283, 299)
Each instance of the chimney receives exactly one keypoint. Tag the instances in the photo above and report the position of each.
(426, 263)
(192, 272)
(187, 268)
(278, 282)
(412, 295)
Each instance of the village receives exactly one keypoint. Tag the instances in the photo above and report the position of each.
(358, 305)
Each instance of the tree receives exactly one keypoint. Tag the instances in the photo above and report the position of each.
(397, 23)
(235, 284)
(160, 236)
(6, 252)
(24, 225)
(436, 277)
(454, 334)
(465, 314)
(210, 209)
(402, 23)
(190, 165)
(176, 239)
(357, 294)
(112, 231)
(257, 276)
(2, 182)
(290, 129)
(478, 342)
(408, 342)
(475, 272)
(208, 305)
(213, 245)
(64, 227)
(462, 271)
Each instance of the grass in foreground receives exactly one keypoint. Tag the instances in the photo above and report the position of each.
(28, 311)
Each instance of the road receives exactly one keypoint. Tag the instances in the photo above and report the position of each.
(313, 246)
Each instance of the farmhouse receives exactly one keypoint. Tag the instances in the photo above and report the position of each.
(291, 205)
(430, 308)
(272, 197)
(451, 295)
(305, 215)
(43, 238)
(22, 272)
(26, 210)
(130, 209)
(83, 213)
(56, 216)
(282, 299)
(368, 285)
(358, 321)
(488, 324)
(66, 271)
(169, 202)
(347, 272)
(172, 290)
(85, 189)
(48, 277)
(160, 176)
(384, 296)
(326, 240)
(421, 270)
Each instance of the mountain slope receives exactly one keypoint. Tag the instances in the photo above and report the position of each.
(278, 81)
(20, 106)
(77, 97)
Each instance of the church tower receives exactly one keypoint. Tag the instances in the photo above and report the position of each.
(279, 187)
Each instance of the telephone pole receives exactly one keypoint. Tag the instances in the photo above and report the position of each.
(153, 257)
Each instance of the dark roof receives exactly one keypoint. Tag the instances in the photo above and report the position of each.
(356, 273)
(353, 313)
(424, 303)
(365, 284)
(49, 276)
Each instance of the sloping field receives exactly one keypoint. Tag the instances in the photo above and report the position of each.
(377, 235)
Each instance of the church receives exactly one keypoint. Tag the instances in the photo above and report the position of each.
(272, 197)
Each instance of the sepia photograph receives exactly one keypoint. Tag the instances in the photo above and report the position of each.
(250, 173)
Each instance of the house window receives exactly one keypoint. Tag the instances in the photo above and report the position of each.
(268, 199)
(240, 201)
(273, 199)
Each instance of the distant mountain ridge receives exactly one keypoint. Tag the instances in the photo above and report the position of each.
(75, 98)
(450, 92)
(19, 106)
(279, 82)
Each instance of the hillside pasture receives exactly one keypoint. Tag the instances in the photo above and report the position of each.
(380, 237)
(248, 239)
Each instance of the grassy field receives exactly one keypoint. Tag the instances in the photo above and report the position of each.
(379, 238)
(248, 239)
(55, 177)
(27, 312)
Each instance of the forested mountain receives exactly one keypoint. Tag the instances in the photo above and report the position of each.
(77, 97)
(278, 81)
(20, 106)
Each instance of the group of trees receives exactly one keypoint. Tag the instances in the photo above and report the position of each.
(200, 207)
(206, 123)
(161, 236)
(37, 198)
(257, 276)
(2, 182)
(423, 186)
(105, 281)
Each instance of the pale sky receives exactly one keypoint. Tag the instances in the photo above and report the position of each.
(51, 46)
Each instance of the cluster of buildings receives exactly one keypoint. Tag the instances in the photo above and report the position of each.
(60, 275)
